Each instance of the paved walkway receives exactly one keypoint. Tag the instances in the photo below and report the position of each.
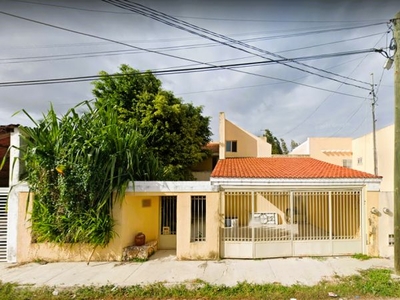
(164, 267)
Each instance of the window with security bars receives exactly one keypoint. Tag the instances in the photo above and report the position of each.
(198, 219)
(168, 215)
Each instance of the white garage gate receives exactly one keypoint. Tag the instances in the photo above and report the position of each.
(261, 224)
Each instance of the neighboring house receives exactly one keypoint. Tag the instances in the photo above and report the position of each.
(333, 150)
(237, 142)
(234, 142)
(363, 160)
(7, 137)
(360, 152)
(202, 171)
(6, 132)
(253, 206)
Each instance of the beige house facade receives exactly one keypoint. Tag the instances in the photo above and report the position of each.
(363, 160)
(358, 154)
(333, 150)
(163, 211)
(237, 142)
(253, 206)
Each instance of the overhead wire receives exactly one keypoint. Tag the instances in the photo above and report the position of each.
(161, 53)
(255, 85)
(227, 41)
(376, 92)
(171, 71)
(193, 17)
(324, 101)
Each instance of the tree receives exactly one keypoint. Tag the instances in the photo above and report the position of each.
(284, 147)
(274, 141)
(177, 131)
(293, 145)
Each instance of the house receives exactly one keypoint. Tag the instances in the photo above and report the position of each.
(253, 206)
(295, 206)
(7, 137)
(363, 160)
(358, 153)
(333, 150)
(234, 142)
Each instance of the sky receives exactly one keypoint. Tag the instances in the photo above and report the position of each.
(325, 90)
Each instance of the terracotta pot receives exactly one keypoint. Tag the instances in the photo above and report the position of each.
(140, 239)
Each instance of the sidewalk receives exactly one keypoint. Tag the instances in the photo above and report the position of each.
(163, 267)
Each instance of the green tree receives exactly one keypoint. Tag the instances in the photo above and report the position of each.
(284, 147)
(274, 141)
(293, 144)
(177, 131)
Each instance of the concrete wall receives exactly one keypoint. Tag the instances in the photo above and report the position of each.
(132, 217)
(208, 249)
(385, 223)
(331, 150)
(363, 151)
(28, 251)
(372, 224)
(363, 160)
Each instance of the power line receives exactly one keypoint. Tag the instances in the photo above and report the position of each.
(251, 86)
(121, 52)
(188, 27)
(174, 71)
(198, 18)
(160, 53)
(316, 109)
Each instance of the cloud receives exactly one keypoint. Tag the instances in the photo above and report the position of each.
(290, 110)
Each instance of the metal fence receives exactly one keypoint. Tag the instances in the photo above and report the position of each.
(291, 215)
(3, 223)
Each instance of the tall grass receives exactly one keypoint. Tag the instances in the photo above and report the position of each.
(77, 166)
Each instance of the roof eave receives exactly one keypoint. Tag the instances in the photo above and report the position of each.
(372, 184)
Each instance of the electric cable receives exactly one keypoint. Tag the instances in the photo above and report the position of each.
(171, 71)
(316, 109)
(188, 27)
(156, 52)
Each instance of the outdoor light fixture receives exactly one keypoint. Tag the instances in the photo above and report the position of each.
(388, 64)
(374, 211)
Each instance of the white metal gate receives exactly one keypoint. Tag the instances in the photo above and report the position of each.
(3, 223)
(260, 224)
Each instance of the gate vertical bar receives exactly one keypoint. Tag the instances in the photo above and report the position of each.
(253, 199)
(291, 223)
(330, 213)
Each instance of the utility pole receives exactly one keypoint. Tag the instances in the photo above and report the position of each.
(396, 177)
(373, 104)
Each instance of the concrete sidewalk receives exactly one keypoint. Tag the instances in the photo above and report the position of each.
(163, 267)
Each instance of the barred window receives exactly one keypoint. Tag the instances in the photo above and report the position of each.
(198, 219)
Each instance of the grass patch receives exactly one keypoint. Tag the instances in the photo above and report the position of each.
(361, 256)
(369, 283)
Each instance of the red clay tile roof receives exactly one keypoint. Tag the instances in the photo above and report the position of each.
(283, 167)
(213, 147)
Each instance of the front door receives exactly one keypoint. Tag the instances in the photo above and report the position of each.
(167, 223)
